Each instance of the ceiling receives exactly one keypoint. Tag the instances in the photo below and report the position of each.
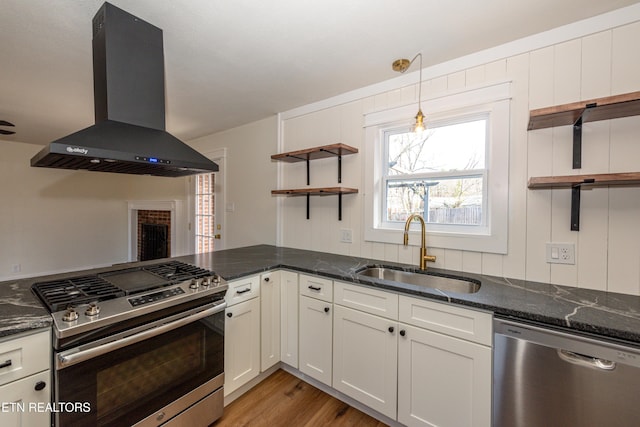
(230, 63)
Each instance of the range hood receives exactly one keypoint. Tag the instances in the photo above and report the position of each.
(128, 85)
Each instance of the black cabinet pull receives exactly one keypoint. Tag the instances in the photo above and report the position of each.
(266, 279)
(326, 309)
(243, 291)
(229, 314)
(40, 385)
(403, 332)
(391, 329)
(5, 364)
(313, 288)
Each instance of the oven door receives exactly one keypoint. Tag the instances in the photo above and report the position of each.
(150, 376)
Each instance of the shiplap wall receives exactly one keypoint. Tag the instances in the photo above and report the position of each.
(608, 243)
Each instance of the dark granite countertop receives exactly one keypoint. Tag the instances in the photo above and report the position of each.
(612, 315)
(616, 316)
(20, 310)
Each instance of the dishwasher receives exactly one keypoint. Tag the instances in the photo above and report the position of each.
(546, 377)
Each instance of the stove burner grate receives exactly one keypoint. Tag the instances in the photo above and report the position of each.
(59, 294)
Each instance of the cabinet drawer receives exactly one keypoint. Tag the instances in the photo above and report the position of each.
(367, 299)
(24, 356)
(242, 290)
(316, 287)
(454, 321)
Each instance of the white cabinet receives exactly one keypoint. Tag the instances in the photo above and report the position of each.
(289, 318)
(25, 380)
(443, 380)
(316, 328)
(365, 358)
(270, 316)
(242, 333)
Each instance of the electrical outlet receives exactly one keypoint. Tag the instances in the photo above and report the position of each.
(346, 235)
(561, 253)
(16, 268)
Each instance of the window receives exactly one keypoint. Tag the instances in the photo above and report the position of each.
(439, 173)
(205, 221)
(454, 174)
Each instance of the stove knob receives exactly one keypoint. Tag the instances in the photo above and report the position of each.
(70, 315)
(194, 284)
(207, 281)
(216, 280)
(92, 310)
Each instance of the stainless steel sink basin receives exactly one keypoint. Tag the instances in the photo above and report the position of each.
(446, 284)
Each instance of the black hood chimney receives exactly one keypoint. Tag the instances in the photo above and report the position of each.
(128, 81)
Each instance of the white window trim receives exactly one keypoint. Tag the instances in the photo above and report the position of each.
(493, 99)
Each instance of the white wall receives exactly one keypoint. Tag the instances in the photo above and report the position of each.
(608, 243)
(56, 220)
(250, 177)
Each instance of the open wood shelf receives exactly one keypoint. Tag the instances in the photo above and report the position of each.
(325, 191)
(315, 153)
(575, 114)
(593, 180)
(333, 150)
(610, 107)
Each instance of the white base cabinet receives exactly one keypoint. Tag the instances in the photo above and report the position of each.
(316, 327)
(442, 381)
(242, 334)
(365, 352)
(289, 318)
(25, 380)
(270, 320)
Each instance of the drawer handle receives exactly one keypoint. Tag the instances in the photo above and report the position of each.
(229, 315)
(266, 279)
(40, 385)
(313, 288)
(5, 364)
(243, 291)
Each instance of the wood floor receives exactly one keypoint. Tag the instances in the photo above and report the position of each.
(284, 400)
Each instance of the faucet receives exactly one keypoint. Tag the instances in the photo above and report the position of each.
(423, 247)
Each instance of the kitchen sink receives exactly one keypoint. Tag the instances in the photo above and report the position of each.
(443, 283)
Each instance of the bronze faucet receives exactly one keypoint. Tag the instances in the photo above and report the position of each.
(423, 247)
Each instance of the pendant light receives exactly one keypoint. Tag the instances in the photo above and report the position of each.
(402, 65)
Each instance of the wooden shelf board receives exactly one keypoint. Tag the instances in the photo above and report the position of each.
(611, 107)
(324, 191)
(314, 153)
(594, 180)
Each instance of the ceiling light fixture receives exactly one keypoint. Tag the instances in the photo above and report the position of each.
(402, 65)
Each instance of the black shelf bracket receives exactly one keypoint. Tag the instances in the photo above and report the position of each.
(575, 208)
(575, 203)
(308, 197)
(340, 207)
(577, 138)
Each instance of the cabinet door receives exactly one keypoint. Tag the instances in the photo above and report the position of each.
(289, 318)
(315, 338)
(23, 403)
(365, 354)
(241, 344)
(270, 316)
(442, 381)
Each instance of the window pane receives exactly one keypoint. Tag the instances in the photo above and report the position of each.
(448, 200)
(459, 146)
(205, 220)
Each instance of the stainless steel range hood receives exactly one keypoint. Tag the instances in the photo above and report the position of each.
(128, 81)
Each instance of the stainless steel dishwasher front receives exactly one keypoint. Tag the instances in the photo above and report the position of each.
(548, 378)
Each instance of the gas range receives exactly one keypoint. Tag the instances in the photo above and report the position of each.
(85, 303)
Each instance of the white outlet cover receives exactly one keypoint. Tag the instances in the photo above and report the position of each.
(561, 253)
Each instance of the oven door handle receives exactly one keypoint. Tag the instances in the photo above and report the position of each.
(65, 360)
